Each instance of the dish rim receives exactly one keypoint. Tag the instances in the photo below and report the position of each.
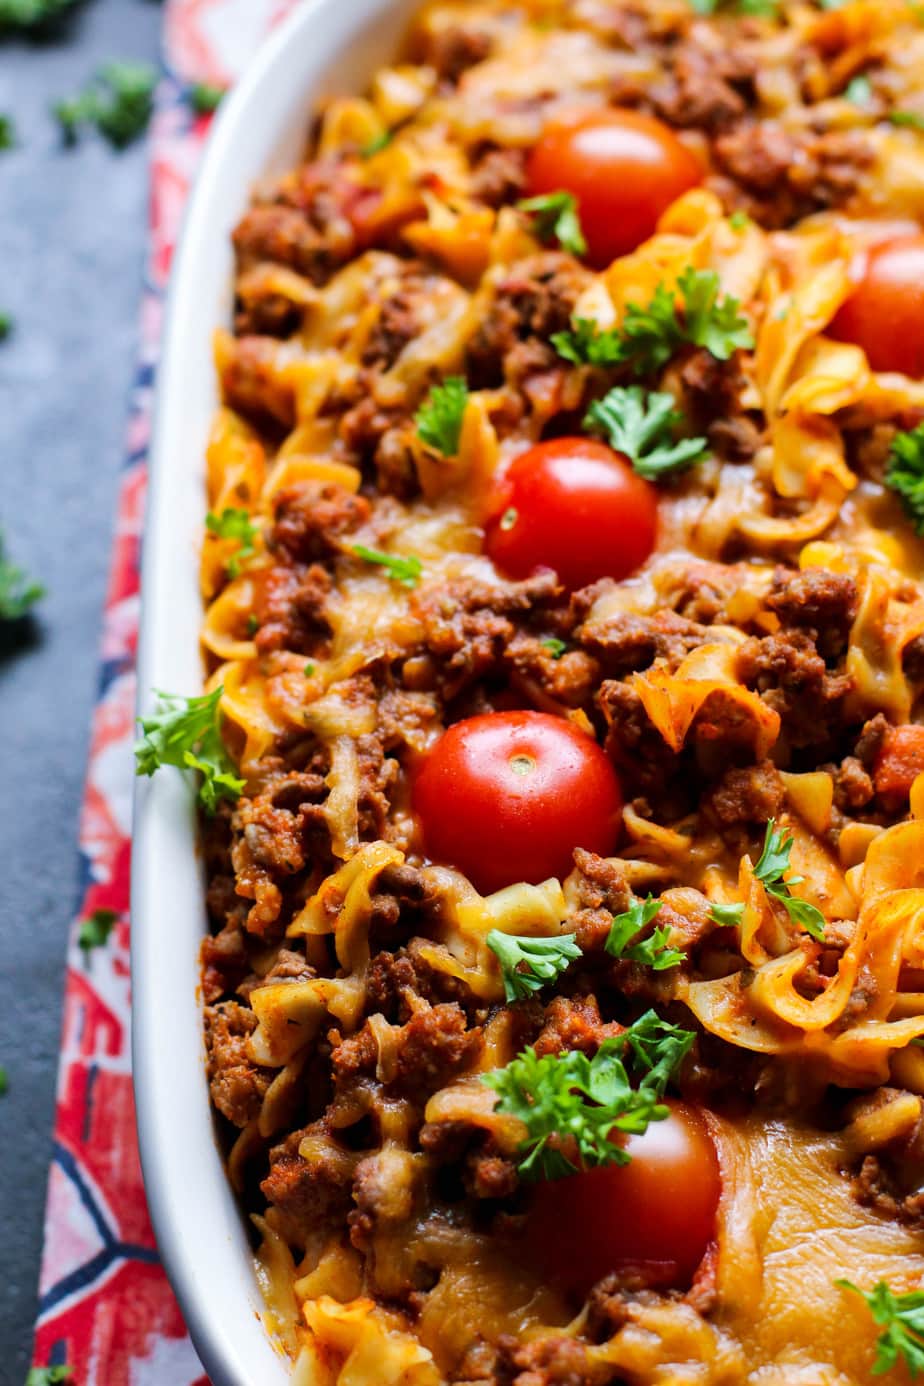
(197, 1221)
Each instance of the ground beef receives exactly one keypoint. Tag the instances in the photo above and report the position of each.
(311, 519)
(237, 1085)
(224, 957)
(454, 47)
(791, 677)
(405, 896)
(779, 176)
(634, 745)
(573, 1022)
(706, 89)
(602, 891)
(309, 1195)
(435, 1046)
(486, 1173)
(913, 659)
(402, 316)
(624, 641)
(550, 1361)
(568, 678)
(309, 232)
(853, 788)
(536, 298)
(876, 1186)
(468, 624)
(499, 176)
(749, 795)
(823, 602)
(251, 383)
(291, 610)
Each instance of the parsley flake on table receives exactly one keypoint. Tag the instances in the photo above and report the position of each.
(4, 1082)
(528, 962)
(234, 524)
(639, 424)
(439, 418)
(18, 592)
(652, 333)
(94, 931)
(772, 864)
(48, 1376)
(7, 132)
(905, 473)
(118, 102)
(403, 568)
(555, 217)
(902, 1319)
(206, 97)
(571, 1099)
(186, 732)
(654, 951)
(6, 325)
(31, 14)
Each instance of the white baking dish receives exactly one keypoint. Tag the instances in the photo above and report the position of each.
(325, 46)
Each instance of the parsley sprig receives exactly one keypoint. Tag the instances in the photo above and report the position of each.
(439, 418)
(654, 951)
(18, 592)
(234, 524)
(528, 963)
(48, 1376)
(772, 864)
(768, 9)
(94, 931)
(639, 424)
(403, 568)
(7, 132)
(572, 1099)
(186, 732)
(118, 102)
(206, 97)
(555, 217)
(905, 473)
(651, 334)
(902, 1319)
(31, 14)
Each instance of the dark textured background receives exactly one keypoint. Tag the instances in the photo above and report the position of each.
(72, 227)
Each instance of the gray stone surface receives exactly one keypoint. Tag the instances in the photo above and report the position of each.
(72, 226)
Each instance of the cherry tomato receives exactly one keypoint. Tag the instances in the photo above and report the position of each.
(656, 1213)
(885, 313)
(574, 505)
(623, 167)
(507, 796)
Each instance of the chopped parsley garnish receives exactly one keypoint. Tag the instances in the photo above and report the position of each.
(555, 647)
(571, 1098)
(234, 524)
(186, 732)
(18, 592)
(376, 144)
(118, 102)
(651, 335)
(6, 325)
(768, 9)
(654, 951)
(527, 963)
(439, 418)
(905, 473)
(7, 132)
(555, 217)
(308, 671)
(31, 14)
(728, 915)
(639, 424)
(253, 624)
(48, 1376)
(772, 863)
(901, 1317)
(403, 568)
(95, 929)
(859, 91)
(739, 221)
(4, 1082)
(206, 97)
(913, 119)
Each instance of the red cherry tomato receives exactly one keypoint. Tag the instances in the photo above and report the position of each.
(656, 1213)
(507, 796)
(885, 313)
(574, 505)
(623, 167)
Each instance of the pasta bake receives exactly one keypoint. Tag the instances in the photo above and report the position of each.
(561, 755)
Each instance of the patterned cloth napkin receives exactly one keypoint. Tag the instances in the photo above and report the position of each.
(105, 1307)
